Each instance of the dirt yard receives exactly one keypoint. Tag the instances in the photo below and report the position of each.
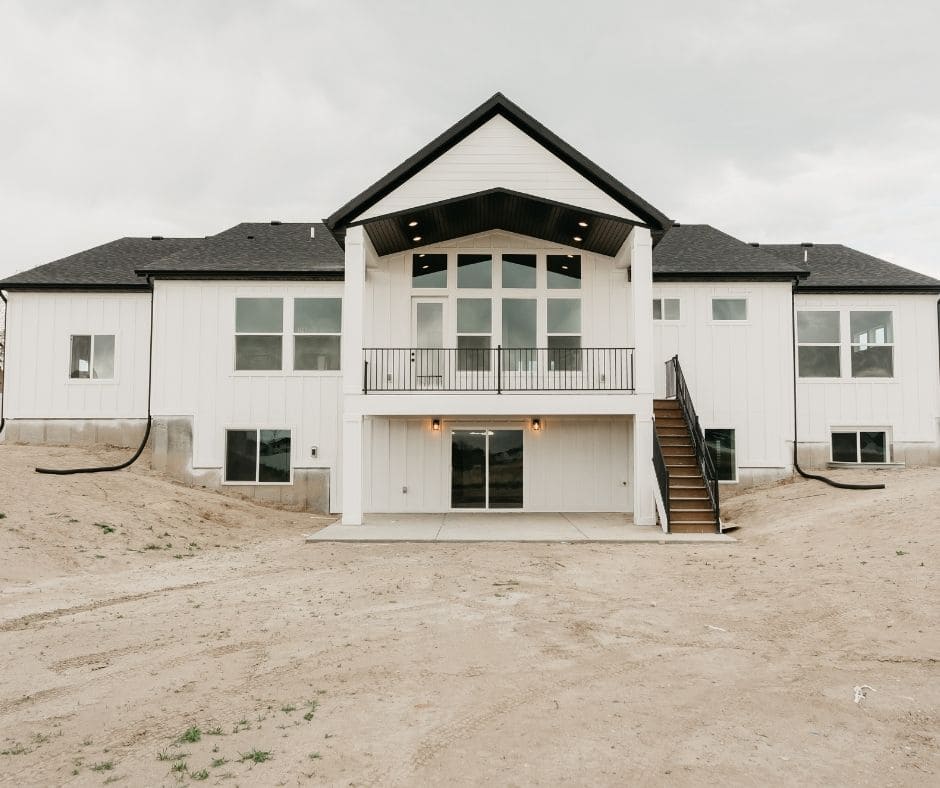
(155, 635)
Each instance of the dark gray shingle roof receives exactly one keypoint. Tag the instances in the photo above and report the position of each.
(837, 267)
(110, 265)
(699, 250)
(258, 248)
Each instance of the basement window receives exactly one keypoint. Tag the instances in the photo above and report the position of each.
(259, 333)
(665, 309)
(720, 444)
(860, 446)
(92, 357)
(317, 333)
(257, 456)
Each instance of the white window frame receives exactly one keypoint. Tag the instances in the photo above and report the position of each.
(257, 430)
(858, 444)
(91, 380)
(662, 310)
(853, 344)
(294, 334)
(730, 297)
(841, 313)
(254, 373)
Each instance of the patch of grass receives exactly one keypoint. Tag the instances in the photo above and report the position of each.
(900, 552)
(202, 774)
(216, 731)
(166, 755)
(191, 735)
(106, 528)
(217, 762)
(2, 516)
(152, 546)
(16, 749)
(288, 708)
(179, 766)
(112, 779)
(315, 756)
(314, 704)
(255, 756)
(241, 725)
(104, 766)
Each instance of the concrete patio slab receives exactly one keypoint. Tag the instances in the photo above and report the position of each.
(506, 527)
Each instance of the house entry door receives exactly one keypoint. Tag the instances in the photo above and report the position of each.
(427, 354)
(486, 469)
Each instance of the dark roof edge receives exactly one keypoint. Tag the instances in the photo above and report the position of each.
(38, 286)
(744, 276)
(887, 289)
(323, 276)
(498, 104)
(486, 193)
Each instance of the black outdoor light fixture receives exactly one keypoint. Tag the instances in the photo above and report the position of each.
(436, 425)
(537, 425)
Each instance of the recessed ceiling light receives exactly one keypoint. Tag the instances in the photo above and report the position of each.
(425, 266)
(413, 223)
(564, 268)
(578, 238)
(416, 238)
(421, 255)
(582, 223)
(570, 255)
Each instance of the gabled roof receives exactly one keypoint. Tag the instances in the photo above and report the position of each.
(497, 105)
(256, 249)
(109, 266)
(696, 251)
(834, 267)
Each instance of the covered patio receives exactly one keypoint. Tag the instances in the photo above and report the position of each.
(505, 527)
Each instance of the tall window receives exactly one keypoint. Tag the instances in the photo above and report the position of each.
(564, 334)
(257, 456)
(474, 333)
(720, 443)
(872, 344)
(729, 309)
(259, 328)
(564, 271)
(317, 333)
(519, 271)
(475, 271)
(92, 357)
(817, 336)
(665, 309)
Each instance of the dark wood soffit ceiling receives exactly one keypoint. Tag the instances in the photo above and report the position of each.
(498, 210)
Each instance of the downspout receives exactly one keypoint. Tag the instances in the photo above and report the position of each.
(143, 443)
(3, 398)
(796, 462)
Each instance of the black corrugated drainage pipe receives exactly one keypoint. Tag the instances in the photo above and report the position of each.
(143, 443)
(796, 462)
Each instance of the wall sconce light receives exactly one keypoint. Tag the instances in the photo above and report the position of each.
(436, 425)
(536, 425)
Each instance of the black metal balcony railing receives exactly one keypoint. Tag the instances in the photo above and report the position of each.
(497, 370)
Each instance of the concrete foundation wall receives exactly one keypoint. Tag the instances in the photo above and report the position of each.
(816, 456)
(171, 444)
(124, 433)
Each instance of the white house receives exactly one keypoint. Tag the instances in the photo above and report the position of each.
(497, 324)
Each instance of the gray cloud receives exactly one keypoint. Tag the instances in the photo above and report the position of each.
(776, 121)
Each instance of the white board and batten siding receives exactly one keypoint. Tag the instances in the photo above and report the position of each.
(497, 155)
(739, 373)
(576, 464)
(908, 404)
(39, 330)
(194, 375)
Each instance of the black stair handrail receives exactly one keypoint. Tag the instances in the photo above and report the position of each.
(677, 387)
(662, 476)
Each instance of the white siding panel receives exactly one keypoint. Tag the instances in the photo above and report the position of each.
(497, 155)
(39, 328)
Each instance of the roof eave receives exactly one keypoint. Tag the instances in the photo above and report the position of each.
(736, 276)
(324, 276)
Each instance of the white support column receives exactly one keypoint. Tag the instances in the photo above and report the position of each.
(644, 504)
(353, 311)
(640, 260)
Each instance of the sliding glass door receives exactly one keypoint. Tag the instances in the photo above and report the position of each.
(486, 469)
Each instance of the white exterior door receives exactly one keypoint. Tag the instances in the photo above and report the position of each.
(428, 357)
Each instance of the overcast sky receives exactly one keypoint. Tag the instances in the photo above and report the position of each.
(774, 121)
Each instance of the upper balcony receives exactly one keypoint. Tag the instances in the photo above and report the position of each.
(498, 370)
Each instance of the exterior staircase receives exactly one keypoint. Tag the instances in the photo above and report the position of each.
(689, 505)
